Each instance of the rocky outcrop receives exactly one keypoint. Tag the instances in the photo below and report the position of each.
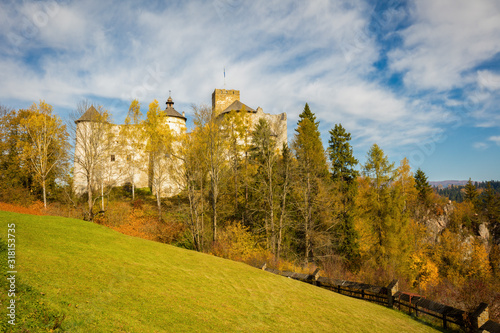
(436, 223)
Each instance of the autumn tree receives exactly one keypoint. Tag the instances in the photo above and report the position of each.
(94, 143)
(214, 138)
(132, 141)
(192, 173)
(376, 204)
(344, 176)
(158, 137)
(13, 175)
(46, 143)
(312, 171)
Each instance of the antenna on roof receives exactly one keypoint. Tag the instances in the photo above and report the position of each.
(224, 77)
(170, 93)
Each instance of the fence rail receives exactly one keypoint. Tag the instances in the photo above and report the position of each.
(390, 296)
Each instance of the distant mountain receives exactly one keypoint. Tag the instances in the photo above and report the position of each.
(446, 183)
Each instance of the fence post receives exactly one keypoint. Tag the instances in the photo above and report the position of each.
(480, 316)
(314, 277)
(392, 289)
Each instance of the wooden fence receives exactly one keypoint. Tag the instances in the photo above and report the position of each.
(390, 296)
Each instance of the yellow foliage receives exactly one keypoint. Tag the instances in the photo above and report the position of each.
(460, 258)
(425, 272)
(236, 242)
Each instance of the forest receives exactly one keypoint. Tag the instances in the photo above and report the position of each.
(244, 198)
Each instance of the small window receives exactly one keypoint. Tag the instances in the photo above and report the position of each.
(112, 158)
(129, 158)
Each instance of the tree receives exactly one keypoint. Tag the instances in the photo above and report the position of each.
(312, 170)
(423, 187)
(215, 140)
(159, 138)
(406, 184)
(344, 175)
(490, 205)
(283, 179)
(341, 155)
(94, 142)
(193, 175)
(378, 168)
(132, 141)
(236, 125)
(470, 192)
(377, 205)
(46, 145)
(12, 172)
(263, 155)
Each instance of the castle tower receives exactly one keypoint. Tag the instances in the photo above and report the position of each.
(222, 98)
(175, 120)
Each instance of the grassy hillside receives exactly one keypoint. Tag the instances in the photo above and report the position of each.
(93, 279)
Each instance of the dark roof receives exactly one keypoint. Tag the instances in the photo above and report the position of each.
(170, 111)
(90, 115)
(238, 106)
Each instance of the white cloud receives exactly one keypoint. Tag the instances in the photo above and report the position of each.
(280, 55)
(446, 39)
(480, 145)
(495, 139)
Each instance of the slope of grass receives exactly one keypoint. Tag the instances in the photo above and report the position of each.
(97, 280)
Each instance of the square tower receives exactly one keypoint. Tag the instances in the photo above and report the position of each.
(222, 98)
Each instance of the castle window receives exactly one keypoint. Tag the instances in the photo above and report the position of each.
(112, 158)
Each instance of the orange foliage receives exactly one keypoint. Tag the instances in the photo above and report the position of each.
(35, 209)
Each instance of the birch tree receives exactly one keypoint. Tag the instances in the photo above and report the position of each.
(158, 137)
(94, 143)
(46, 146)
(132, 141)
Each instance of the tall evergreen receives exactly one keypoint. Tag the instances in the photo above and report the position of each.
(344, 175)
(470, 192)
(312, 170)
(423, 187)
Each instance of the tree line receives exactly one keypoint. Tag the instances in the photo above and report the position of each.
(299, 201)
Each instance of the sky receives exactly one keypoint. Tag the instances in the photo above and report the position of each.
(421, 79)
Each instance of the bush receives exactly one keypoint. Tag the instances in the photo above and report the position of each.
(236, 242)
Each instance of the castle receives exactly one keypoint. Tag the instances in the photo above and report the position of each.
(122, 164)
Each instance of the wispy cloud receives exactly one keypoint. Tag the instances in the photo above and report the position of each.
(396, 75)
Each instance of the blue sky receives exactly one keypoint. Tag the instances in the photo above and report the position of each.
(421, 79)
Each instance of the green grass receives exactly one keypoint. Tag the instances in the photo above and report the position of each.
(97, 280)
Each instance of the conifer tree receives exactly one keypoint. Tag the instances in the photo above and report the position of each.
(344, 175)
(312, 170)
(470, 192)
(377, 204)
(263, 155)
(423, 187)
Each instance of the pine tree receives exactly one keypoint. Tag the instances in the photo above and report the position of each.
(344, 175)
(470, 192)
(423, 187)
